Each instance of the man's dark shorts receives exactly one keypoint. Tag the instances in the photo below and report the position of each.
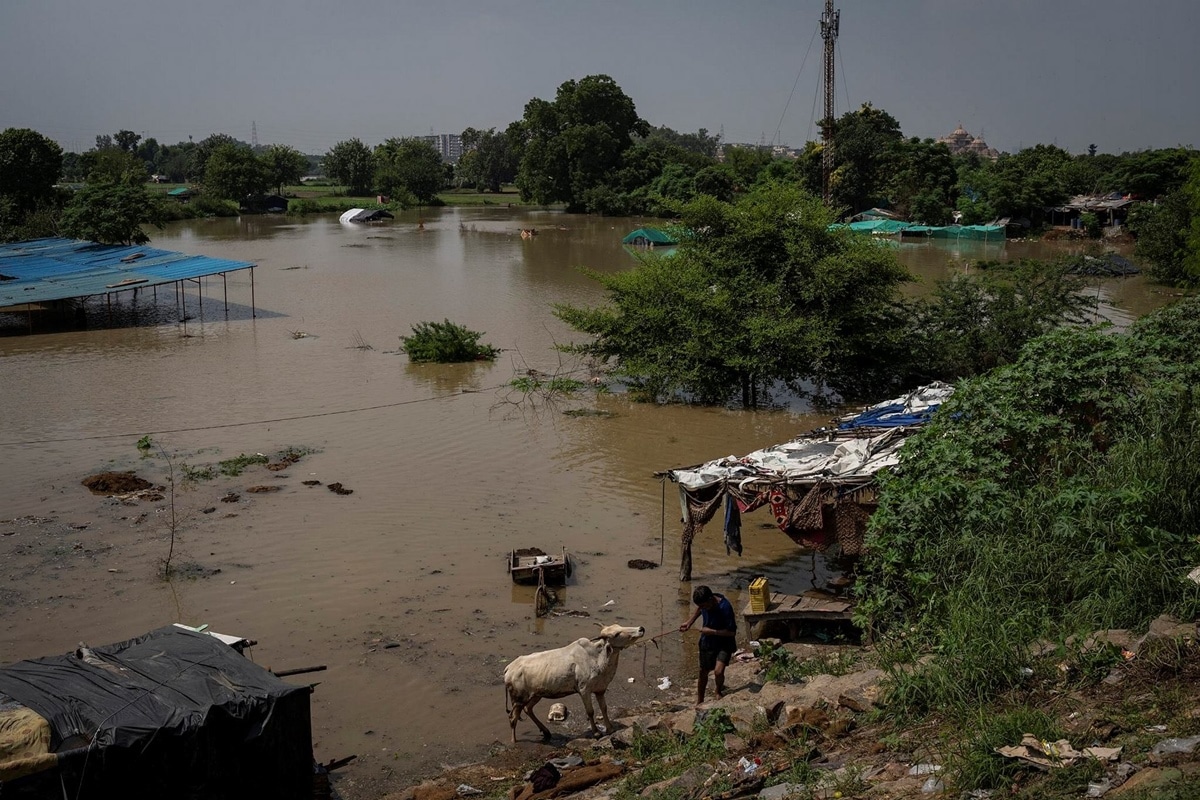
(709, 658)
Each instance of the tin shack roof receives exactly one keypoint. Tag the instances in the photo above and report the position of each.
(43, 270)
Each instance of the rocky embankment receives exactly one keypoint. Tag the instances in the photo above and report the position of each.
(823, 738)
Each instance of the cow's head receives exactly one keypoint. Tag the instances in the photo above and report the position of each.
(619, 636)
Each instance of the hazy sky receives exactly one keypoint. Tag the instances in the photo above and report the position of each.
(1120, 73)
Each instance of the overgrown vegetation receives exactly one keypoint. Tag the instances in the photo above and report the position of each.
(766, 300)
(763, 294)
(1051, 497)
(446, 343)
(780, 666)
(232, 467)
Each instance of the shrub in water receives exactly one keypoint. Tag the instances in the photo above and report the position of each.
(446, 343)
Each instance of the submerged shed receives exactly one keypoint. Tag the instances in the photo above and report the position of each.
(172, 713)
(820, 487)
(365, 215)
(40, 273)
(649, 237)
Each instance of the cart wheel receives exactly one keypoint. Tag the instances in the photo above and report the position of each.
(541, 602)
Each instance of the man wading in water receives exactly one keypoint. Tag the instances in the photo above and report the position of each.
(717, 638)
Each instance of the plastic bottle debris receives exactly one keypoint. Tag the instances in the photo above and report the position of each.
(464, 790)
(933, 785)
(1168, 746)
(748, 767)
(664, 683)
(924, 769)
(610, 603)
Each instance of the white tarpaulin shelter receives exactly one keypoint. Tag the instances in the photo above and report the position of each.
(838, 455)
(365, 215)
(819, 486)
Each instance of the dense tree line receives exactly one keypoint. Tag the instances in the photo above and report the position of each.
(589, 150)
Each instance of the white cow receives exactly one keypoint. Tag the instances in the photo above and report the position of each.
(584, 667)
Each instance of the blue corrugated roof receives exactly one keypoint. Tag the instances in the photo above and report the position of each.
(42, 270)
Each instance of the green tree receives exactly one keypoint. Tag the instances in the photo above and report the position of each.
(200, 152)
(409, 164)
(284, 165)
(488, 159)
(575, 144)
(715, 181)
(350, 163)
(233, 172)
(745, 163)
(113, 165)
(979, 321)
(1168, 234)
(922, 186)
(111, 214)
(126, 141)
(699, 143)
(762, 294)
(30, 165)
(865, 145)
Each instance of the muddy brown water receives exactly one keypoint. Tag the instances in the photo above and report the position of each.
(401, 587)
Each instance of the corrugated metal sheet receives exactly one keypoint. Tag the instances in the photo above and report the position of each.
(43, 270)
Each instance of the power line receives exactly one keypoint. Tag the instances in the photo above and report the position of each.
(794, 85)
(252, 422)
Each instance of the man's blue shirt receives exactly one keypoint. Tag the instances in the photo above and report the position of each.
(720, 618)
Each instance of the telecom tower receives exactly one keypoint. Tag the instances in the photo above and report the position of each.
(829, 32)
(254, 136)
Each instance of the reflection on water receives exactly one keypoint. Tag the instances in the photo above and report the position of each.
(448, 474)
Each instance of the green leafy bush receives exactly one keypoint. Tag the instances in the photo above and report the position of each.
(303, 206)
(1050, 497)
(446, 343)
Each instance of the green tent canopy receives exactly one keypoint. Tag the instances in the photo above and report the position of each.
(648, 237)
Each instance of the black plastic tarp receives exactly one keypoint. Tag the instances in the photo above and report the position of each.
(170, 713)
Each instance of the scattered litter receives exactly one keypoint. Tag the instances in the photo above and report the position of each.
(566, 762)
(1168, 746)
(1103, 753)
(1099, 788)
(610, 603)
(664, 683)
(933, 786)
(1194, 575)
(464, 790)
(924, 769)
(631, 680)
(1060, 753)
(557, 712)
(1156, 728)
(755, 644)
(231, 583)
(747, 766)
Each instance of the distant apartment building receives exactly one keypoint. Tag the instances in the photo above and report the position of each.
(448, 144)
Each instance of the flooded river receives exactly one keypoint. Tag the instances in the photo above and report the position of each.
(399, 588)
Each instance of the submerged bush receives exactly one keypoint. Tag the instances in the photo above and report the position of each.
(446, 343)
(1049, 497)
